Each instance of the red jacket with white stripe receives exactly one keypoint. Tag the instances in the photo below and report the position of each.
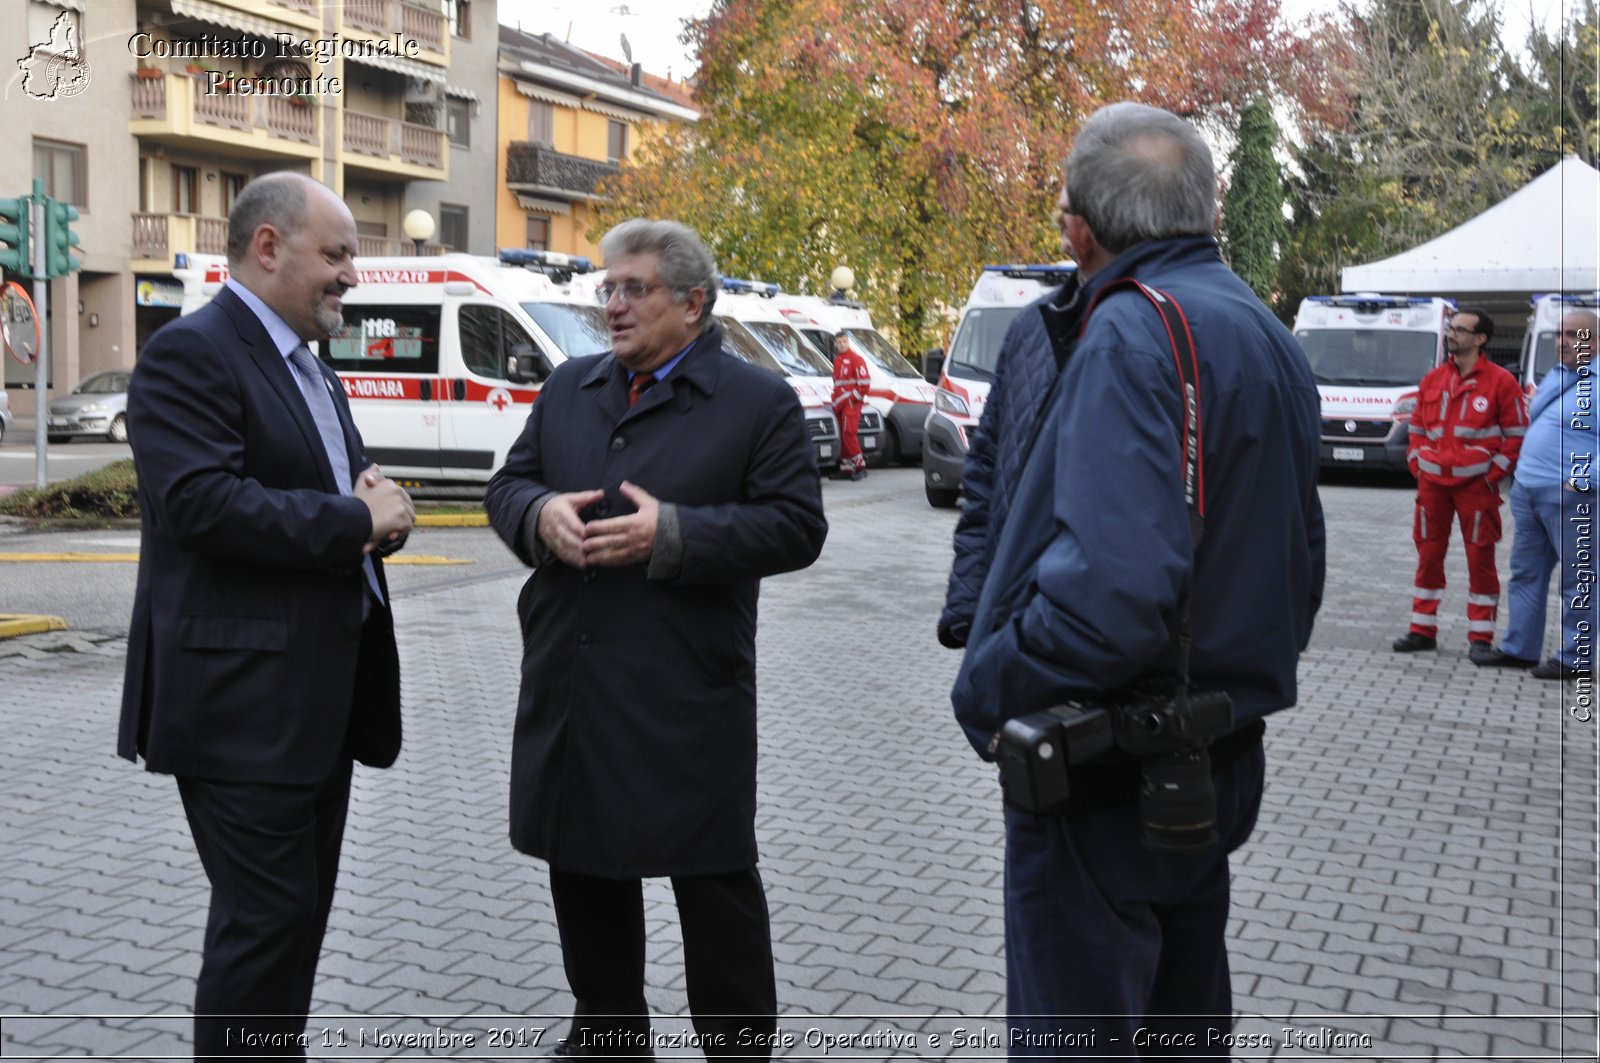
(851, 378)
(1466, 426)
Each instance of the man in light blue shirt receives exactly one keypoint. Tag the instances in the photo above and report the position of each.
(1553, 502)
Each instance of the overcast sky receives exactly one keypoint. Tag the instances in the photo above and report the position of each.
(654, 26)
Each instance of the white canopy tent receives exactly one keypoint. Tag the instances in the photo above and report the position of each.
(1545, 237)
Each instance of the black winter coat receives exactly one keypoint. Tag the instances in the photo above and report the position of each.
(634, 753)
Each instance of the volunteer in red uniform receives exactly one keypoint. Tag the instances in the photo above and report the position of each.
(851, 380)
(1466, 433)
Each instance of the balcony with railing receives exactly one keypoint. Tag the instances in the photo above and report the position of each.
(392, 147)
(540, 168)
(377, 246)
(386, 18)
(174, 108)
(157, 237)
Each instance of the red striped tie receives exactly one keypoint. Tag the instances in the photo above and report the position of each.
(637, 387)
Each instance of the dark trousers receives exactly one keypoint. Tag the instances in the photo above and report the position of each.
(1104, 937)
(272, 855)
(727, 952)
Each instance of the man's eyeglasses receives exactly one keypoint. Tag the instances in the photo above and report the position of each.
(1468, 330)
(630, 291)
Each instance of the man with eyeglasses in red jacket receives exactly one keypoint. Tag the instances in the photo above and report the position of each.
(1466, 433)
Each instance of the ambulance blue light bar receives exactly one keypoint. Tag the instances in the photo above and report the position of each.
(180, 260)
(738, 284)
(1050, 273)
(1373, 301)
(1566, 298)
(523, 256)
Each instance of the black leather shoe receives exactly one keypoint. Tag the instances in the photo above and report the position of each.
(1484, 655)
(1554, 669)
(1411, 642)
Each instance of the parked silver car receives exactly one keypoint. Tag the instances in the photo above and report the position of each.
(98, 406)
(5, 414)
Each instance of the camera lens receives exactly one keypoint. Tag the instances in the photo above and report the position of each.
(1177, 802)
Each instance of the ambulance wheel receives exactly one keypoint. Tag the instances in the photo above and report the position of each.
(942, 497)
(888, 448)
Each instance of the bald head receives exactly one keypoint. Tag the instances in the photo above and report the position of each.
(1577, 337)
(276, 199)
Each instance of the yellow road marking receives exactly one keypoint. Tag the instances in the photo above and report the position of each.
(91, 556)
(452, 520)
(14, 624)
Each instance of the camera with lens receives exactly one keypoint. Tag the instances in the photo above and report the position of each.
(1168, 734)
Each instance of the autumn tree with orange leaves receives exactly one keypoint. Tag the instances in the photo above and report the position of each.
(917, 140)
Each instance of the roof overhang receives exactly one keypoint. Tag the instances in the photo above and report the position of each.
(254, 25)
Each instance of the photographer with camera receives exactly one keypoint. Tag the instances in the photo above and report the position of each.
(1147, 593)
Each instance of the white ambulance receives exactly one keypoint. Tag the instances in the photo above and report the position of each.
(810, 372)
(898, 399)
(967, 370)
(441, 357)
(741, 340)
(1539, 348)
(1368, 353)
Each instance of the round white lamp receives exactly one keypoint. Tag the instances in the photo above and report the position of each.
(418, 225)
(843, 279)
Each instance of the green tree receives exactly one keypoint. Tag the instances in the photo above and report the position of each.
(1253, 227)
(1566, 79)
(1442, 123)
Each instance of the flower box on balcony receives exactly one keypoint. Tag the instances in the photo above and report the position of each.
(148, 73)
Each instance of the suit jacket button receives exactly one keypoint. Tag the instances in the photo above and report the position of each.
(583, 642)
(603, 507)
(588, 575)
(618, 443)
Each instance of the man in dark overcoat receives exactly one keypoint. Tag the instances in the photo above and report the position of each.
(651, 490)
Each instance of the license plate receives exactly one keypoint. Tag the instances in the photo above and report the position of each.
(825, 451)
(57, 423)
(869, 442)
(1349, 454)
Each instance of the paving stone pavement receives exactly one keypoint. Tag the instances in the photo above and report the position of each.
(1421, 884)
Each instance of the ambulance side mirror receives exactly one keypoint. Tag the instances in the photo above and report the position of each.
(527, 365)
(933, 365)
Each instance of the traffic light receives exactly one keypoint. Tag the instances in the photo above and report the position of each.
(59, 239)
(14, 235)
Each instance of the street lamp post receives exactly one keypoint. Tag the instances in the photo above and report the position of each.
(418, 225)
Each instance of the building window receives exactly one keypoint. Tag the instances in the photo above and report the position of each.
(232, 185)
(541, 123)
(616, 141)
(62, 169)
(185, 190)
(538, 233)
(459, 14)
(453, 226)
(458, 121)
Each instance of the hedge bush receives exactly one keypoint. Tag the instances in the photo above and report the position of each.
(109, 493)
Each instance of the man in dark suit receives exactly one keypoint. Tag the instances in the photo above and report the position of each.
(652, 487)
(261, 653)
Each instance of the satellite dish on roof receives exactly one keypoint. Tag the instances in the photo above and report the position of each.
(627, 52)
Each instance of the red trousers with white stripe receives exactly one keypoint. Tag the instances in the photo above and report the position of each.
(850, 457)
(1477, 506)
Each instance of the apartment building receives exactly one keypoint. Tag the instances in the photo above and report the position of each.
(151, 115)
(567, 120)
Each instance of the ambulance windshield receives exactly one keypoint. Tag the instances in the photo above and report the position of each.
(577, 329)
(977, 343)
(792, 350)
(876, 349)
(1378, 358)
(737, 341)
